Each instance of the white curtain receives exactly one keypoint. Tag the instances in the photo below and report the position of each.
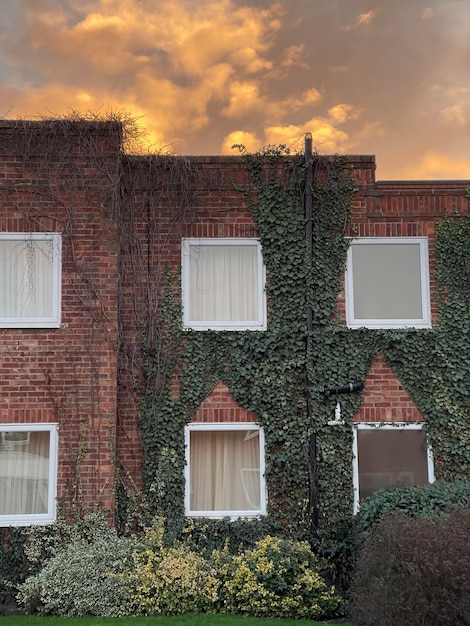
(25, 278)
(223, 283)
(24, 472)
(224, 470)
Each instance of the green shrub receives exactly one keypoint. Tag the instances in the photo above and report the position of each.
(432, 499)
(206, 535)
(277, 578)
(173, 581)
(414, 571)
(13, 567)
(83, 579)
(45, 542)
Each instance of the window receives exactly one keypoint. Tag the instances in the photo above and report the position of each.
(387, 456)
(30, 274)
(28, 470)
(387, 283)
(224, 470)
(223, 284)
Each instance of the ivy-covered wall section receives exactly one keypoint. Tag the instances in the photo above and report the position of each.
(122, 219)
(280, 373)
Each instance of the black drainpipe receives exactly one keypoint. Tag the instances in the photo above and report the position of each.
(312, 452)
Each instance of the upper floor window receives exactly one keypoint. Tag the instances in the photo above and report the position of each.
(223, 284)
(387, 283)
(224, 470)
(28, 474)
(387, 456)
(30, 277)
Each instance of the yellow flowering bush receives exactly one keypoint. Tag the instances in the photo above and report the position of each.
(172, 580)
(277, 578)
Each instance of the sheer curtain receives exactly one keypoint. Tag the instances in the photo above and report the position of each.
(223, 282)
(24, 472)
(225, 470)
(25, 278)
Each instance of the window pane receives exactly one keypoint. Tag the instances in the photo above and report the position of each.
(225, 470)
(24, 472)
(223, 283)
(26, 278)
(387, 281)
(389, 458)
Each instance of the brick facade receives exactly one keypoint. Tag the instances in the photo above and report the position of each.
(103, 206)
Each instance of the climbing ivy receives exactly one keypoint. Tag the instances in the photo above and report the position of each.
(434, 365)
(280, 373)
(266, 372)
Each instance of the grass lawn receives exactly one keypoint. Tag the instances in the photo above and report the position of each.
(179, 620)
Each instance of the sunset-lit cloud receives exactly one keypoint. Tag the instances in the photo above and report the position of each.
(247, 98)
(250, 141)
(342, 112)
(438, 166)
(380, 78)
(454, 114)
(362, 20)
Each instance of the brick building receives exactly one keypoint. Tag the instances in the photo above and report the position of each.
(87, 238)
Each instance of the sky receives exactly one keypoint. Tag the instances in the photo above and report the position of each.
(383, 77)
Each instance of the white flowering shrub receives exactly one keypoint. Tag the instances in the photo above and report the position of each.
(45, 542)
(277, 578)
(83, 579)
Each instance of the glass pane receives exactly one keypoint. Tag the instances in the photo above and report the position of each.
(387, 281)
(24, 472)
(223, 283)
(26, 271)
(224, 470)
(389, 458)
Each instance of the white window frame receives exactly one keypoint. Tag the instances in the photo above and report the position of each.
(385, 426)
(424, 321)
(188, 323)
(53, 321)
(50, 516)
(227, 426)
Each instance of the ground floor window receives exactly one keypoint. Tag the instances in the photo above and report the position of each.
(224, 470)
(28, 474)
(386, 456)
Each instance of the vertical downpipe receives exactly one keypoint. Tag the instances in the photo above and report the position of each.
(312, 452)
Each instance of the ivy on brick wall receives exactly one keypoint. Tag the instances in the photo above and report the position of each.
(434, 365)
(278, 372)
(268, 372)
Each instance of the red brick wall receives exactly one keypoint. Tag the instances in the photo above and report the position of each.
(63, 182)
(72, 375)
(400, 209)
(405, 209)
(384, 399)
(217, 210)
(220, 406)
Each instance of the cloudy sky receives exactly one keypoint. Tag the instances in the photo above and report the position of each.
(383, 77)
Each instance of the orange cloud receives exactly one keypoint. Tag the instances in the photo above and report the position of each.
(363, 20)
(454, 114)
(168, 65)
(250, 140)
(427, 13)
(246, 98)
(340, 113)
(435, 165)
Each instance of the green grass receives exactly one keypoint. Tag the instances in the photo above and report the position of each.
(179, 620)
